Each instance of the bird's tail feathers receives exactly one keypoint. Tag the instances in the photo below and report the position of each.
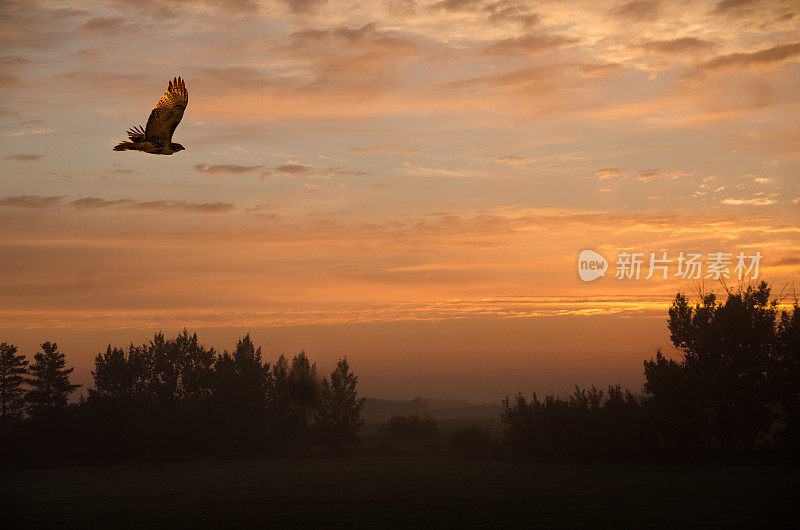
(124, 146)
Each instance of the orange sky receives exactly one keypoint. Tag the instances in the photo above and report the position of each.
(387, 178)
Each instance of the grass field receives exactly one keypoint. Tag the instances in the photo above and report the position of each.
(398, 492)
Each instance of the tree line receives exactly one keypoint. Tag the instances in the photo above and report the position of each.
(174, 396)
(732, 391)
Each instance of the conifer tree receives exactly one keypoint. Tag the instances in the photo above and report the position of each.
(13, 369)
(50, 386)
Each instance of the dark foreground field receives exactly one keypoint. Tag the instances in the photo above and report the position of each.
(399, 492)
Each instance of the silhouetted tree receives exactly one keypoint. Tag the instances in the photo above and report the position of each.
(722, 383)
(50, 386)
(163, 370)
(304, 385)
(339, 413)
(279, 389)
(197, 367)
(519, 416)
(112, 374)
(787, 358)
(622, 421)
(172, 369)
(240, 378)
(671, 402)
(588, 424)
(13, 369)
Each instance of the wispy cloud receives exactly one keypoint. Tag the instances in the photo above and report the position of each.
(679, 45)
(758, 200)
(773, 55)
(513, 160)
(26, 132)
(304, 6)
(223, 169)
(531, 44)
(32, 202)
(24, 157)
(389, 149)
(293, 169)
(36, 202)
(637, 10)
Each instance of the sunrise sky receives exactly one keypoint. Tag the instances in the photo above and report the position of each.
(406, 182)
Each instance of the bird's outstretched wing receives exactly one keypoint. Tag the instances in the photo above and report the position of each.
(136, 134)
(167, 114)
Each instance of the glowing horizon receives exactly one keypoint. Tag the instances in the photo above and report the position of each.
(403, 160)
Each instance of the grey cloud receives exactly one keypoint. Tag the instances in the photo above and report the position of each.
(776, 54)
(358, 61)
(767, 56)
(401, 7)
(39, 202)
(184, 206)
(26, 25)
(506, 11)
(637, 10)
(456, 5)
(727, 6)
(32, 202)
(103, 25)
(499, 11)
(94, 203)
(531, 44)
(293, 169)
(304, 6)
(89, 203)
(24, 157)
(680, 45)
(366, 37)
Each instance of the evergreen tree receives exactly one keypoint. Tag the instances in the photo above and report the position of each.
(305, 388)
(339, 414)
(50, 386)
(13, 369)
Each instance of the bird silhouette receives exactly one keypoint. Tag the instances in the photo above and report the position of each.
(156, 137)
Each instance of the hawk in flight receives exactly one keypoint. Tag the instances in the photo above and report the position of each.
(156, 137)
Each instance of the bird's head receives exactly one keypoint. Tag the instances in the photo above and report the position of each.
(177, 147)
